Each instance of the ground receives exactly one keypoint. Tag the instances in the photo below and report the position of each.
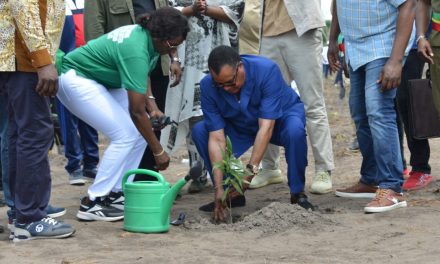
(269, 229)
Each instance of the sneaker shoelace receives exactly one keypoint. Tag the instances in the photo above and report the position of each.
(380, 194)
(49, 220)
(321, 176)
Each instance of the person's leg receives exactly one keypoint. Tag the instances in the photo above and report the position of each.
(399, 125)
(89, 143)
(96, 106)
(31, 136)
(303, 59)
(194, 156)
(4, 145)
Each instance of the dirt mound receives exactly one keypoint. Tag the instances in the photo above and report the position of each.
(274, 218)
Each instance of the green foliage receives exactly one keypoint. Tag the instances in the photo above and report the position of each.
(233, 170)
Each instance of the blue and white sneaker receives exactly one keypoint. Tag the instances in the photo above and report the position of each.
(55, 211)
(98, 211)
(44, 229)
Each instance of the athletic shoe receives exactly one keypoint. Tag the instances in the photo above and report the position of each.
(90, 173)
(266, 177)
(116, 200)
(417, 180)
(11, 227)
(301, 200)
(55, 211)
(359, 190)
(322, 183)
(77, 178)
(354, 145)
(45, 228)
(98, 211)
(406, 174)
(385, 200)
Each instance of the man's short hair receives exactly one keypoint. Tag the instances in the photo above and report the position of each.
(221, 56)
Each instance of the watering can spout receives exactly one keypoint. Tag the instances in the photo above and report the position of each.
(169, 197)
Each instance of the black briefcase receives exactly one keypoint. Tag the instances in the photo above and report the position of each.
(424, 119)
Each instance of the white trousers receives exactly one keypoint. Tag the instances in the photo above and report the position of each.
(106, 110)
(300, 59)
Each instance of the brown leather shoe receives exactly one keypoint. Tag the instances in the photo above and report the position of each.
(359, 190)
(385, 200)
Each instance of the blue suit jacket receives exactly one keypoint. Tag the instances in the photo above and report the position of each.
(264, 95)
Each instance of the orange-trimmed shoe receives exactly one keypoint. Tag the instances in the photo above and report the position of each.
(385, 200)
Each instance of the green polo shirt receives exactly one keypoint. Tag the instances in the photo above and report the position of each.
(123, 58)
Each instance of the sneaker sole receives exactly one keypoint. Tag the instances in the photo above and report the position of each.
(93, 217)
(314, 191)
(18, 239)
(385, 208)
(355, 195)
(55, 215)
(77, 182)
(275, 180)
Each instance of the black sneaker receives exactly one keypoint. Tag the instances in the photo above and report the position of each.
(90, 173)
(301, 200)
(116, 200)
(43, 229)
(98, 211)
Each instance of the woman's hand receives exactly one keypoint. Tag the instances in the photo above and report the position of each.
(162, 160)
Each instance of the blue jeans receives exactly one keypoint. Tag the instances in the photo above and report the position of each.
(374, 115)
(83, 149)
(4, 150)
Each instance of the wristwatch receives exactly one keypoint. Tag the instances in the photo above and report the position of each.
(176, 59)
(252, 169)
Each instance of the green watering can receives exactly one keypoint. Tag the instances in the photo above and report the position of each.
(148, 203)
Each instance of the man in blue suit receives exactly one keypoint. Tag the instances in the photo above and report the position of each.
(246, 98)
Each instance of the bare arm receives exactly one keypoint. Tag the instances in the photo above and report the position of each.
(143, 124)
(423, 14)
(262, 139)
(391, 73)
(332, 53)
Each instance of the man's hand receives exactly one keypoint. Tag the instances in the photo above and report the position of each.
(390, 76)
(333, 57)
(47, 80)
(162, 161)
(220, 208)
(175, 73)
(424, 50)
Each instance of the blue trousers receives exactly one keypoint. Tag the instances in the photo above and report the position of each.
(4, 149)
(374, 115)
(85, 148)
(30, 138)
(289, 132)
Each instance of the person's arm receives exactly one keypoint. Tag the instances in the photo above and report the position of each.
(423, 15)
(94, 19)
(392, 71)
(27, 19)
(175, 68)
(262, 139)
(332, 53)
(217, 143)
(217, 13)
(142, 122)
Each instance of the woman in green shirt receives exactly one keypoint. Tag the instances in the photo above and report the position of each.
(105, 84)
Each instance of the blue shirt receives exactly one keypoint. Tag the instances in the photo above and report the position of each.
(369, 28)
(264, 94)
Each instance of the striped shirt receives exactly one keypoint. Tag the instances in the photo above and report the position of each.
(369, 28)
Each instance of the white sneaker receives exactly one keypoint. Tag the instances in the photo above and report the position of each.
(322, 183)
(266, 177)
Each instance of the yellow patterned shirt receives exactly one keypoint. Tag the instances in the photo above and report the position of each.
(30, 32)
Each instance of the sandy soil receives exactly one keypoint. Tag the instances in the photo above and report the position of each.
(267, 230)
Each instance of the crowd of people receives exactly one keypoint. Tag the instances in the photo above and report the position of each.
(217, 69)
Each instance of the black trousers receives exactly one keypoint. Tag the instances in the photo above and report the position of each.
(419, 148)
(30, 138)
(159, 86)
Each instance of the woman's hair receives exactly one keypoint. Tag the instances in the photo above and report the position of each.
(221, 56)
(165, 23)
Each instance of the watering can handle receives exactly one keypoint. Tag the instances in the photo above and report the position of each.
(158, 176)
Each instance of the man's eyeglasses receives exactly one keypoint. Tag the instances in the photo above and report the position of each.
(171, 46)
(228, 83)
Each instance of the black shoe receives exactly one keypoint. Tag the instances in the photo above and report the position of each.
(238, 201)
(90, 173)
(116, 200)
(98, 210)
(301, 200)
